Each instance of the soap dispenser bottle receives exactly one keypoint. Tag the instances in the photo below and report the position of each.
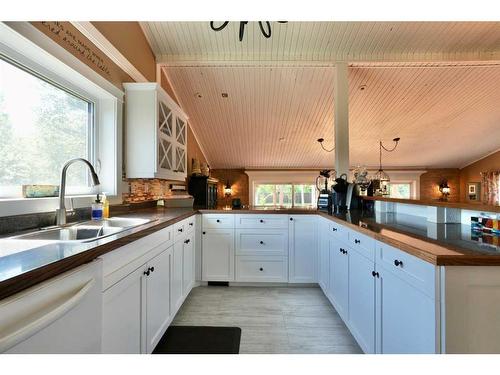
(97, 209)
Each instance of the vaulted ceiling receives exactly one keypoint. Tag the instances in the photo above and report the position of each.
(435, 85)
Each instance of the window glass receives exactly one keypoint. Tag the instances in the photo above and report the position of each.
(400, 190)
(41, 127)
(285, 195)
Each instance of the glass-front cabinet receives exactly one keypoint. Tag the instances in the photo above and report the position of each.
(155, 133)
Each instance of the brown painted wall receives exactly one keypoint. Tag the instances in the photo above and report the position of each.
(128, 38)
(429, 183)
(472, 172)
(238, 180)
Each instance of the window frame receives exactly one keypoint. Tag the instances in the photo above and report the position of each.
(33, 69)
(293, 184)
(401, 182)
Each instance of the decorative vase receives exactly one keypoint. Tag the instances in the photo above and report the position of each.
(205, 169)
(195, 169)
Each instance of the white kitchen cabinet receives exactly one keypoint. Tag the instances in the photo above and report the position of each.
(405, 316)
(324, 256)
(361, 321)
(61, 315)
(177, 277)
(158, 309)
(303, 248)
(217, 254)
(156, 133)
(188, 264)
(121, 319)
(339, 277)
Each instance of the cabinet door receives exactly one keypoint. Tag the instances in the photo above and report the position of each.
(339, 277)
(158, 310)
(166, 144)
(362, 300)
(324, 258)
(180, 145)
(121, 325)
(303, 251)
(218, 255)
(405, 317)
(177, 270)
(188, 265)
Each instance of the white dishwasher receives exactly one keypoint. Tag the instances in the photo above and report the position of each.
(60, 315)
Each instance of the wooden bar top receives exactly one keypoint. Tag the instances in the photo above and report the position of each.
(423, 202)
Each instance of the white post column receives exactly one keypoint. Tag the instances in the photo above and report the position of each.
(341, 101)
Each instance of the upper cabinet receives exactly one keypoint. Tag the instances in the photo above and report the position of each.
(155, 133)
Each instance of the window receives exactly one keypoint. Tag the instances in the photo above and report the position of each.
(400, 190)
(42, 125)
(286, 195)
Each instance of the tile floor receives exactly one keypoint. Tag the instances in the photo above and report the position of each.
(283, 320)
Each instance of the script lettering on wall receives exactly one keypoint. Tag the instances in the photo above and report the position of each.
(67, 36)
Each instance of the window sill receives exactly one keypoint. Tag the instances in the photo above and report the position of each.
(22, 206)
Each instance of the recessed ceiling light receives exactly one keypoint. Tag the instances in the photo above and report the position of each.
(225, 95)
(198, 95)
(362, 87)
(281, 139)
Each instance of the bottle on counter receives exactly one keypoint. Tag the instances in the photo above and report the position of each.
(105, 206)
(97, 209)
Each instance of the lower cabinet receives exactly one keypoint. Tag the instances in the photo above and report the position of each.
(324, 257)
(188, 261)
(218, 254)
(406, 317)
(339, 277)
(303, 249)
(261, 269)
(362, 300)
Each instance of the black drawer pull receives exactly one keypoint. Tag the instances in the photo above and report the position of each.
(180, 229)
(147, 272)
(375, 274)
(261, 220)
(187, 241)
(357, 241)
(262, 242)
(204, 232)
(398, 263)
(152, 269)
(291, 219)
(191, 224)
(218, 220)
(334, 229)
(261, 269)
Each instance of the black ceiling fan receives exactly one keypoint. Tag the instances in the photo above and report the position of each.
(265, 27)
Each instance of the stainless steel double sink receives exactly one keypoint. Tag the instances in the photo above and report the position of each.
(86, 231)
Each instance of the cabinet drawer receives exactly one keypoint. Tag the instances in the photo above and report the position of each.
(261, 242)
(415, 271)
(190, 223)
(338, 231)
(180, 229)
(262, 221)
(214, 221)
(362, 244)
(265, 269)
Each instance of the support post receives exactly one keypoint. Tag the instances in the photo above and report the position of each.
(341, 101)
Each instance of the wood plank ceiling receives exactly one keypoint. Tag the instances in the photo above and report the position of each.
(435, 85)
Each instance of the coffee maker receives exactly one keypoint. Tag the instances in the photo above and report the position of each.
(323, 184)
(345, 195)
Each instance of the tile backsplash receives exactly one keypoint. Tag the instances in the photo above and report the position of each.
(141, 189)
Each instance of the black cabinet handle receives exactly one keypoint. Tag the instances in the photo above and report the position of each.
(147, 272)
(262, 242)
(218, 220)
(375, 274)
(204, 232)
(190, 224)
(261, 220)
(357, 241)
(398, 263)
(334, 229)
(180, 229)
(341, 251)
(291, 219)
(152, 269)
(187, 241)
(261, 269)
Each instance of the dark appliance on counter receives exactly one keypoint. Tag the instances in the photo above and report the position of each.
(204, 191)
(324, 197)
(236, 203)
(345, 195)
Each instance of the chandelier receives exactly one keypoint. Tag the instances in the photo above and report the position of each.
(382, 177)
(265, 27)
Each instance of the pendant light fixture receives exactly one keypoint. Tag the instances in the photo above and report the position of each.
(381, 176)
(321, 140)
(265, 28)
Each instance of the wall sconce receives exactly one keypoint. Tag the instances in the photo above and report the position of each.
(227, 189)
(444, 188)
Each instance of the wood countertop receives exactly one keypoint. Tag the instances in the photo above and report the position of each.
(423, 202)
(38, 264)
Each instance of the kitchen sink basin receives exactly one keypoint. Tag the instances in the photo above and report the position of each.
(85, 231)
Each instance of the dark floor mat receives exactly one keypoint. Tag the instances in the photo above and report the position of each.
(199, 340)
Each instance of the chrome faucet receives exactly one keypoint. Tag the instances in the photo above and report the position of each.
(61, 211)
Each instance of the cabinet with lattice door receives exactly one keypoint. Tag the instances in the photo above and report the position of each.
(155, 133)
